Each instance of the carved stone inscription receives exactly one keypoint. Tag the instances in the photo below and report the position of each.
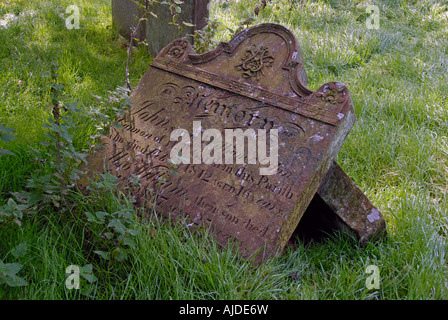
(249, 83)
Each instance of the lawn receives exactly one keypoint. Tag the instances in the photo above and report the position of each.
(397, 153)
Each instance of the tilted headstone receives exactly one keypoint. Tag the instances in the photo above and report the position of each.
(252, 84)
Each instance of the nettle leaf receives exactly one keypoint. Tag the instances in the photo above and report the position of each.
(117, 125)
(15, 281)
(3, 152)
(102, 254)
(101, 215)
(88, 268)
(20, 250)
(109, 235)
(8, 274)
(5, 129)
(117, 225)
(7, 137)
(91, 217)
(119, 254)
(129, 242)
(34, 198)
(87, 273)
(10, 269)
(89, 277)
(133, 232)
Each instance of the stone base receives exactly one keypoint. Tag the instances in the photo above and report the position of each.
(339, 205)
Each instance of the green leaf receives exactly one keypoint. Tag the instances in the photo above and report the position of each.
(188, 24)
(7, 137)
(5, 129)
(120, 254)
(64, 134)
(133, 232)
(20, 250)
(15, 281)
(178, 10)
(109, 235)
(91, 217)
(102, 254)
(34, 198)
(117, 125)
(129, 242)
(89, 277)
(88, 268)
(11, 203)
(87, 273)
(3, 151)
(10, 269)
(117, 226)
(101, 215)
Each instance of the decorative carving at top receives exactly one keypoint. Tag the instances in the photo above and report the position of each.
(178, 48)
(254, 60)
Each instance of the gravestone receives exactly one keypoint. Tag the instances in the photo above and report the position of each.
(125, 17)
(253, 84)
(158, 29)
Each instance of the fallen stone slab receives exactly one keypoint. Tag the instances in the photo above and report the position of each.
(340, 205)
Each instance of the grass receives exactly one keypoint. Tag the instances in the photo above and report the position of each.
(397, 152)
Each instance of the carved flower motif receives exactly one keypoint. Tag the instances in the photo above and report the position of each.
(333, 92)
(178, 49)
(254, 60)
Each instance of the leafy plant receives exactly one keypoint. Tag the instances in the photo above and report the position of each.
(8, 274)
(12, 211)
(60, 156)
(175, 10)
(6, 137)
(87, 273)
(117, 234)
(107, 110)
(204, 39)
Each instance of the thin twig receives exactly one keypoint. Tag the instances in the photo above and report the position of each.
(133, 33)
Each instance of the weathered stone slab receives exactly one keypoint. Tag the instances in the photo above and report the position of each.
(339, 205)
(344, 197)
(251, 82)
(125, 17)
(158, 31)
